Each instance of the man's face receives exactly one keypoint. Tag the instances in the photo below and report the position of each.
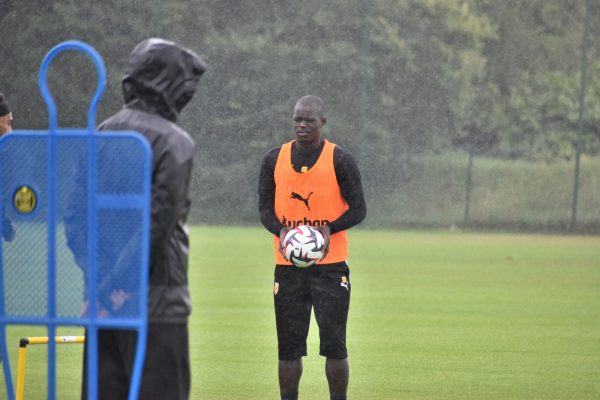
(308, 122)
(6, 124)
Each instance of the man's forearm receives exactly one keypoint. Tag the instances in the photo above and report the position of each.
(270, 221)
(347, 220)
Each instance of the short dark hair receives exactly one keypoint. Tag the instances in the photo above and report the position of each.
(4, 108)
(313, 101)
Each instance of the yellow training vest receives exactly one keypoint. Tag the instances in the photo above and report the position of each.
(309, 198)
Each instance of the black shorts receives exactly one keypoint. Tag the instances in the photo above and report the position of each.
(166, 372)
(296, 291)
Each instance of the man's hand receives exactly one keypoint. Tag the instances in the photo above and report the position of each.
(8, 230)
(324, 229)
(102, 312)
(118, 298)
(282, 234)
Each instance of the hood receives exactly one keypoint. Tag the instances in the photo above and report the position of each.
(161, 77)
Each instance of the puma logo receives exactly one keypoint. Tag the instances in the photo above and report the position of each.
(302, 199)
(344, 283)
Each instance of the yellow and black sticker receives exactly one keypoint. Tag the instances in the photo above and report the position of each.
(25, 199)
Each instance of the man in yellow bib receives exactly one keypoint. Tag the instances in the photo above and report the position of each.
(311, 181)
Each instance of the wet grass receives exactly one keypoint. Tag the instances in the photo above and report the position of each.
(434, 315)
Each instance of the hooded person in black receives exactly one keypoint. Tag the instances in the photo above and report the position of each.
(160, 79)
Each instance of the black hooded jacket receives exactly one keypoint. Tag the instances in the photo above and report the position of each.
(160, 79)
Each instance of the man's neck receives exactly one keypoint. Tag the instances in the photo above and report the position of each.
(308, 148)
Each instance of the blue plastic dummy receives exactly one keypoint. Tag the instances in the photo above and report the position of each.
(76, 226)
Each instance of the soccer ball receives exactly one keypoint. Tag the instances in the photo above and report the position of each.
(303, 246)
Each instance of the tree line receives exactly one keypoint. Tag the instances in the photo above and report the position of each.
(399, 77)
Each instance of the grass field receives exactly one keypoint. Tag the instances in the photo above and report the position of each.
(434, 315)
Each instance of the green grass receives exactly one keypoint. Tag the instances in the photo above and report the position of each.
(434, 315)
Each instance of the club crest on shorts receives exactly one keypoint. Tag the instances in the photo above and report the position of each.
(344, 282)
(275, 288)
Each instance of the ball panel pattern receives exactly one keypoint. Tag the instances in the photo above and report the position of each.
(303, 246)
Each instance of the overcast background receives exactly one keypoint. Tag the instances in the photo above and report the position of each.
(459, 113)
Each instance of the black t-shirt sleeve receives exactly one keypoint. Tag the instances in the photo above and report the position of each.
(266, 193)
(350, 183)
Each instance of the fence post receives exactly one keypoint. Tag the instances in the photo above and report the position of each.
(468, 188)
(584, 45)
